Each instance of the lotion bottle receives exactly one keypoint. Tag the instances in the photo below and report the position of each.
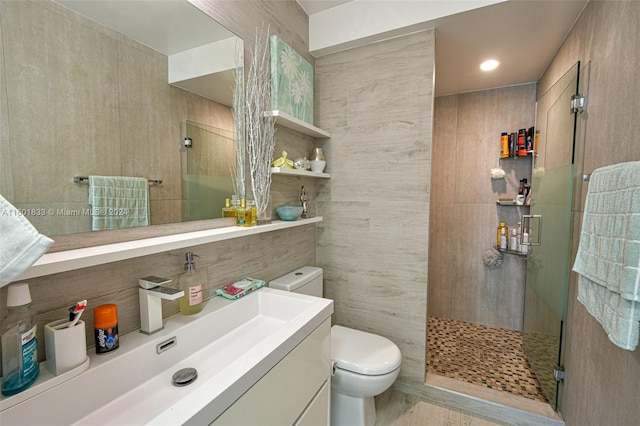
(524, 248)
(191, 302)
(504, 238)
(513, 240)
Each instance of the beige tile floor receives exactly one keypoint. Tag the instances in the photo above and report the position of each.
(394, 408)
(485, 356)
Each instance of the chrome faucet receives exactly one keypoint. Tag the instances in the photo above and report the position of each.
(151, 292)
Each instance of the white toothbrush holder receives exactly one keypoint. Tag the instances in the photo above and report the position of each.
(66, 347)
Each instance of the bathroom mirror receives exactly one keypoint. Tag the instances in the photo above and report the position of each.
(93, 87)
(208, 177)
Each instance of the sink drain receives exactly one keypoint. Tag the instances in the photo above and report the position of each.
(184, 377)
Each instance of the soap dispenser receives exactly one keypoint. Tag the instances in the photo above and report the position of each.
(190, 283)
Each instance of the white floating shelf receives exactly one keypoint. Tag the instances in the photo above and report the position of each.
(298, 172)
(62, 261)
(288, 121)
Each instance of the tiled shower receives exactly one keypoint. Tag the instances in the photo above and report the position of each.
(490, 357)
(476, 312)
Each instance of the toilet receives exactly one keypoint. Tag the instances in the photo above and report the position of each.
(365, 364)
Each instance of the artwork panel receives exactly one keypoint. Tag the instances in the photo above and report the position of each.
(291, 81)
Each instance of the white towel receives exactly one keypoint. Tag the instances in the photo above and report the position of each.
(118, 202)
(21, 245)
(608, 258)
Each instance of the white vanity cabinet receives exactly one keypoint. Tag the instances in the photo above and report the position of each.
(263, 359)
(317, 412)
(294, 392)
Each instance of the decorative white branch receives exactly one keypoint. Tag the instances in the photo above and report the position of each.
(238, 170)
(260, 125)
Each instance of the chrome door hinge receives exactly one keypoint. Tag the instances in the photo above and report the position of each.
(559, 374)
(578, 102)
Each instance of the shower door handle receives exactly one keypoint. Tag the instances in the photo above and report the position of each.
(532, 223)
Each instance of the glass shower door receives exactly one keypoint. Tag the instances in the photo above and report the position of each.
(548, 263)
(209, 180)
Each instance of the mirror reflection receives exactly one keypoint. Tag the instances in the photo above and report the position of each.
(105, 88)
(209, 181)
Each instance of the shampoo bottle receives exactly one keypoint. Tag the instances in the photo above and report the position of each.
(504, 145)
(513, 239)
(191, 302)
(20, 366)
(504, 238)
(524, 248)
(498, 232)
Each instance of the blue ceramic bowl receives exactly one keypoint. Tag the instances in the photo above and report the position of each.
(289, 212)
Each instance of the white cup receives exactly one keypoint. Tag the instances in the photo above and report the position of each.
(318, 165)
(66, 348)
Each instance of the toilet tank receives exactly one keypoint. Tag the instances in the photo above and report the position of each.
(305, 280)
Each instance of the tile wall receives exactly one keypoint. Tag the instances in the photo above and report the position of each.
(265, 256)
(114, 114)
(602, 384)
(359, 204)
(377, 102)
(464, 214)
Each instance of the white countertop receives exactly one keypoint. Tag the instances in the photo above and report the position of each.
(232, 344)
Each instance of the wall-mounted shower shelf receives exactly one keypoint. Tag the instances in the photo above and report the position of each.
(509, 203)
(517, 157)
(512, 252)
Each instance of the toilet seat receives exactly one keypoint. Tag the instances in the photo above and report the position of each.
(363, 353)
(365, 364)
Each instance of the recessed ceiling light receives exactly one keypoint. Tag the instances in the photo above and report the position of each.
(489, 65)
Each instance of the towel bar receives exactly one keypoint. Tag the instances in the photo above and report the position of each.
(85, 178)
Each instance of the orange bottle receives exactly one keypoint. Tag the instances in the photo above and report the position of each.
(504, 144)
(522, 146)
(105, 324)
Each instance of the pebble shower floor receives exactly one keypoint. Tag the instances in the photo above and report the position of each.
(485, 356)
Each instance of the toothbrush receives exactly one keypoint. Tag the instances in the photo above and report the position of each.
(76, 311)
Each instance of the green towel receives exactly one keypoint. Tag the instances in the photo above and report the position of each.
(608, 258)
(118, 202)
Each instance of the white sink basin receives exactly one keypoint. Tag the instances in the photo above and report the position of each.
(230, 343)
